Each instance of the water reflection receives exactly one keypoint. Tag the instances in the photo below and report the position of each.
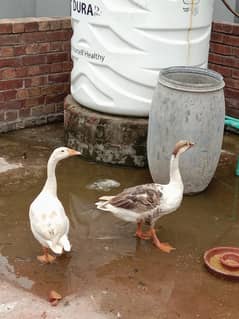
(9, 272)
(122, 273)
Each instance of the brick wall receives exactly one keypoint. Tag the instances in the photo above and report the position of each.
(224, 58)
(35, 69)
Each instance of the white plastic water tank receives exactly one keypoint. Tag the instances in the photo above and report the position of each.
(119, 46)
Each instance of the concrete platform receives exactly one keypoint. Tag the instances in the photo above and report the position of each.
(105, 138)
(110, 274)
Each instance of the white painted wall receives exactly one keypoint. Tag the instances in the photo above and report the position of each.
(221, 13)
(17, 8)
(52, 8)
(34, 8)
(39, 8)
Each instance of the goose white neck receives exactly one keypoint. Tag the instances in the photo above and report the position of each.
(175, 176)
(51, 184)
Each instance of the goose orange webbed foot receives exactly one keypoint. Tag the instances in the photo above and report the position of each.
(165, 247)
(140, 234)
(143, 235)
(46, 258)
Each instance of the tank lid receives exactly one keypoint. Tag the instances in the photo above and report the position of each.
(193, 79)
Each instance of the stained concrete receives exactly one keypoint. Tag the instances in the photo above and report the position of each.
(105, 138)
(109, 273)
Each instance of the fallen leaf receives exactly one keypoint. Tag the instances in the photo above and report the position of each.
(54, 303)
(54, 297)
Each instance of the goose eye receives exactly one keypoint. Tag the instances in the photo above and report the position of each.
(62, 151)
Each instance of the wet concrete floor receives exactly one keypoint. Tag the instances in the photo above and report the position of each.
(124, 277)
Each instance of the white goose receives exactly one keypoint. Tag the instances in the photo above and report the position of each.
(147, 203)
(49, 223)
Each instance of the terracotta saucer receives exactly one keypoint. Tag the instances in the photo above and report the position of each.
(223, 261)
(230, 260)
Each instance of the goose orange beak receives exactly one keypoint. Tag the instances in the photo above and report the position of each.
(72, 152)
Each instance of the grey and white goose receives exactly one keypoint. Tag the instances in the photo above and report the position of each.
(145, 204)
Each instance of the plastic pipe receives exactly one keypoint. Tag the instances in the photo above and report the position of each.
(234, 123)
(231, 121)
(237, 167)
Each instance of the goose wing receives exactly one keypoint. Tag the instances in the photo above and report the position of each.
(138, 199)
(48, 220)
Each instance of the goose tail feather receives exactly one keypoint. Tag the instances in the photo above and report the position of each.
(102, 205)
(64, 241)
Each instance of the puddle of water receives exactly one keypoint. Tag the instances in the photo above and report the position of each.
(103, 185)
(107, 263)
(5, 166)
(5, 308)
